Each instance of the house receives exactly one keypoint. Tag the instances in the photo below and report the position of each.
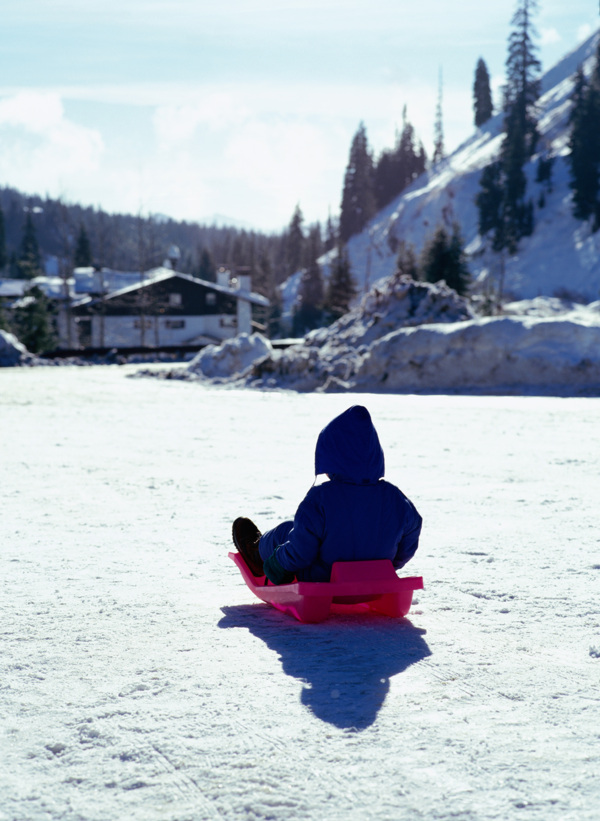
(165, 308)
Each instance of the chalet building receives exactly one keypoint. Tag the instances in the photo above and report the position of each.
(166, 308)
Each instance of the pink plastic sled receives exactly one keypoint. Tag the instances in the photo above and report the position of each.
(358, 586)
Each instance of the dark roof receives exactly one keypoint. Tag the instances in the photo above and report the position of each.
(162, 275)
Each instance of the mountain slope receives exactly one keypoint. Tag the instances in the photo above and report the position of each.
(562, 257)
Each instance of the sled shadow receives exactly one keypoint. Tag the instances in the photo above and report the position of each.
(345, 663)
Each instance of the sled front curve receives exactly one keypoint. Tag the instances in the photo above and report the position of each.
(371, 585)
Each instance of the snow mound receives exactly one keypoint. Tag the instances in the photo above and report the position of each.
(14, 353)
(415, 337)
(231, 358)
(329, 357)
(487, 355)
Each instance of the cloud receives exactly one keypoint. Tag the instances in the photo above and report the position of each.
(583, 32)
(549, 36)
(41, 148)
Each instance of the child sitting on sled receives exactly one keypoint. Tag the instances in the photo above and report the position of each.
(355, 516)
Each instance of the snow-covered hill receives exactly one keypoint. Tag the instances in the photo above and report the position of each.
(561, 258)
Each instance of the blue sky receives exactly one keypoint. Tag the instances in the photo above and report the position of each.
(243, 109)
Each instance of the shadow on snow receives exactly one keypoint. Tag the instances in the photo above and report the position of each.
(345, 663)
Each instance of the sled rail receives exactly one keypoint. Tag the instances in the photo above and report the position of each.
(355, 586)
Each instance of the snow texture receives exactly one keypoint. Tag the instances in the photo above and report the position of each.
(140, 679)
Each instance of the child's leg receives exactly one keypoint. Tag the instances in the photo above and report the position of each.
(271, 540)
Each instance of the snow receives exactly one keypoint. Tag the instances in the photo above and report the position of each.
(140, 679)
(408, 336)
(231, 357)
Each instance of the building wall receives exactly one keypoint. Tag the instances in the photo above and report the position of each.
(126, 331)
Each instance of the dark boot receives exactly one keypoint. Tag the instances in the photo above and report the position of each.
(246, 537)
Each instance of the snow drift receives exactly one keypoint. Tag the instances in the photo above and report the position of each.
(232, 357)
(412, 337)
(489, 355)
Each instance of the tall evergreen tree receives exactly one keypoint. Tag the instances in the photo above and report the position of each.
(482, 95)
(489, 203)
(341, 288)
(406, 261)
(311, 291)
(358, 196)
(3, 256)
(33, 321)
(502, 197)
(523, 70)
(83, 249)
(29, 263)
(295, 242)
(443, 257)
(206, 270)
(438, 141)
(330, 240)
(397, 168)
(584, 144)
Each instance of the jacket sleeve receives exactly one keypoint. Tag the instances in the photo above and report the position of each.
(305, 538)
(409, 541)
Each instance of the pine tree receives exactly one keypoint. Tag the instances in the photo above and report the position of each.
(443, 257)
(330, 235)
(311, 291)
(457, 276)
(83, 250)
(489, 201)
(584, 144)
(406, 261)
(33, 322)
(206, 270)
(295, 242)
(502, 202)
(397, 168)
(4, 323)
(482, 95)
(438, 142)
(523, 70)
(3, 256)
(29, 264)
(341, 289)
(516, 212)
(358, 197)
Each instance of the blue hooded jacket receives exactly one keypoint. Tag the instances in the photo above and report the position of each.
(356, 515)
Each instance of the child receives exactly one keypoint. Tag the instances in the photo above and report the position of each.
(354, 516)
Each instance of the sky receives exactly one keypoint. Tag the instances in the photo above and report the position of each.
(242, 109)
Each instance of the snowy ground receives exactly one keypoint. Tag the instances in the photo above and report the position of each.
(139, 679)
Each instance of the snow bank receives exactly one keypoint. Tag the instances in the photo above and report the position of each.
(13, 352)
(494, 354)
(329, 357)
(411, 336)
(232, 357)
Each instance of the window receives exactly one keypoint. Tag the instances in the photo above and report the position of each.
(175, 323)
(175, 300)
(211, 298)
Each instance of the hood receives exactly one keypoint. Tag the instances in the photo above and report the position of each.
(349, 447)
